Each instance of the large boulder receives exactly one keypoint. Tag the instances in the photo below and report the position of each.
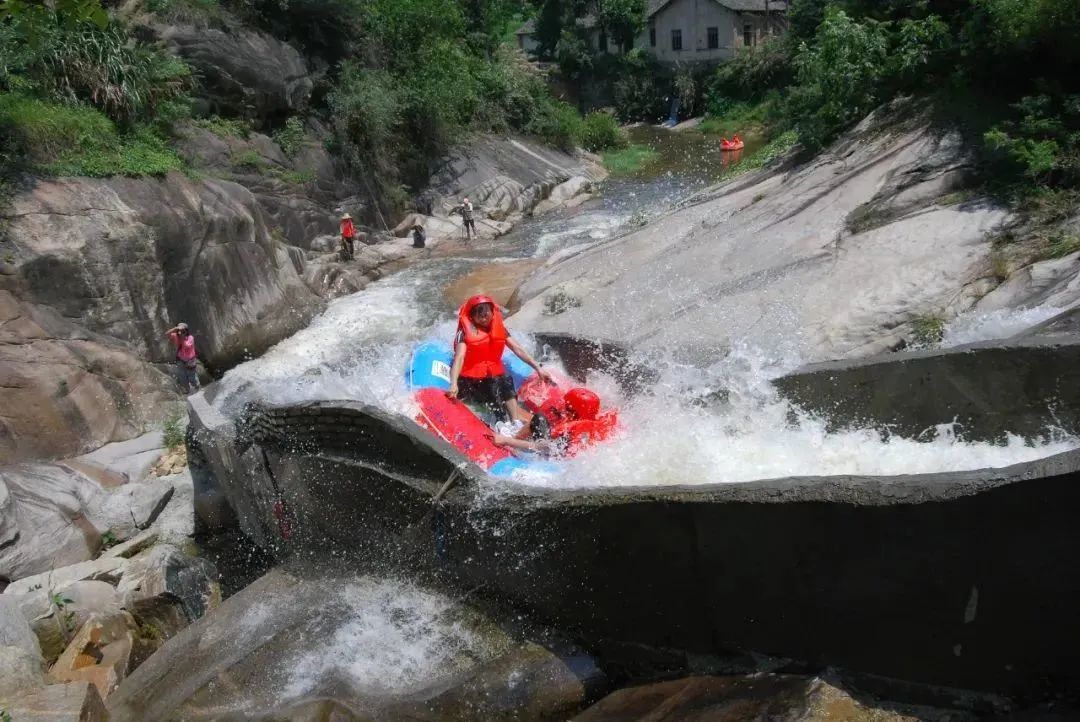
(53, 625)
(299, 191)
(782, 698)
(293, 647)
(53, 516)
(70, 702)
(503, 177)
(131, 257)
(242, 72)
(19, 671)
(65, 390)
(100, 653)
(873, 222)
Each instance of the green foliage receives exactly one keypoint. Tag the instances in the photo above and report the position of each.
(1041, 142)
(293, 177)
(600, 131)
(623, 20)
(186, 10)
(639, 88)
(629, 160)
(31, 19)
(173, 431)
(729, 117)
(291, 136)
(76, 140)
(556, 123)
(109, 539)
(1060, 244)
(249, 159)
(224, 127)
(927, 330)
(126, 80)
(838, 77)
(754, 72)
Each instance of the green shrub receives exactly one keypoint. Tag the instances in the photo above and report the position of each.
(754, 72)
(727, 117)
(249, 159)
(294, 177)
(600, 131)
(173, 431)
(641, 86)
(76, 140)
(630, 159)
(224, 127)
(1060, 244)
(290, 137)
(557, 123)
(125, 79)
(838, 77)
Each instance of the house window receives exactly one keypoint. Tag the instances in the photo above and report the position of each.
(714, 38)
(652, 37)
(748, 35)
(676, 39)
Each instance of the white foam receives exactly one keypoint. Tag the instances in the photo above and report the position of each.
(973, 327)
(391, 638)
(680, 433)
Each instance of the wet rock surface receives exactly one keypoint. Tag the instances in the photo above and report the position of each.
(868, 225)
(375, 649)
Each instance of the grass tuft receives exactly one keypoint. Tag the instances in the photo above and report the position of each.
(630, 159)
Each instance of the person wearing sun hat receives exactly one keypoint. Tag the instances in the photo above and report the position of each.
(187, 363)
(348, 236)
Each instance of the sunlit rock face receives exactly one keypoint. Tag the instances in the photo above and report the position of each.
(831, 259)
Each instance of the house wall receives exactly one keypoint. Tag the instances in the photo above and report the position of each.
(527, 43)
(694, 17)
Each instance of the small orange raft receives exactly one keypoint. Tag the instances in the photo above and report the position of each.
(734, 144)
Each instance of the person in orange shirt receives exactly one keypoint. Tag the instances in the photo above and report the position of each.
(348, 237)
(477, 373)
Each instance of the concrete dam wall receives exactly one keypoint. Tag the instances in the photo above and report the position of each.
(962, 579)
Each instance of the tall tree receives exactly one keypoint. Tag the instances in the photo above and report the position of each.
(622, 19)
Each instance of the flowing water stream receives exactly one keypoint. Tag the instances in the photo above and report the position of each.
(359, 347)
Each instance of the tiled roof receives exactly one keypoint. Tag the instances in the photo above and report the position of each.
(656, 6)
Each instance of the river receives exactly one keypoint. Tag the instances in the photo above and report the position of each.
(359, 347)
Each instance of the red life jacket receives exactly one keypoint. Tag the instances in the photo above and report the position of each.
(581, 433)
(540, 397)
(483, 349)
(348, 230)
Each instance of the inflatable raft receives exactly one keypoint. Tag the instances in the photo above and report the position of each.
(458, 423)
(735, 144)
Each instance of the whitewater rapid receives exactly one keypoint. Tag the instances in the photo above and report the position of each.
(722, 424)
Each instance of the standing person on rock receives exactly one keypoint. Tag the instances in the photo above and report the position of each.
(186, 362)
(467, 222)
(478, 373)
(419, 238)
(348, 237)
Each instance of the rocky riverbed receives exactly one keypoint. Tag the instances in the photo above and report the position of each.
(95, 548)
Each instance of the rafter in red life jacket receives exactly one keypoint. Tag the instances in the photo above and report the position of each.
(483, 349)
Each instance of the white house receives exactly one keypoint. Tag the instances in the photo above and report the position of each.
(690, 31)
(709, 30)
